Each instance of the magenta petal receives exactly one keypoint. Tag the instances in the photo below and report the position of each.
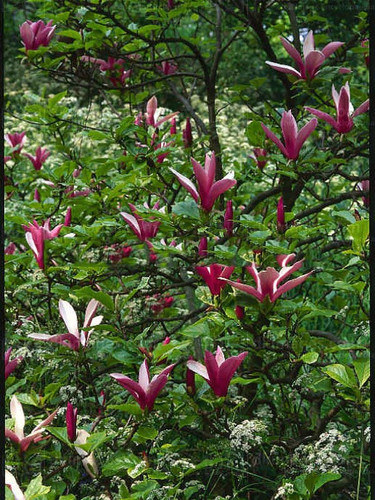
(184, 181)
(292, 51)
(289, 285)
(247, 289)
(198, 368)
(66, 339)
(12, 435)
(227, 370)
(313, 62)
(133, 223)
(290, 131)
(155, 387)
(323, 116)
(212, 368)
(284, 260)
(274, 139)
(133, 387)
(202, 177)
(11, 366)
(216, 190)
(331, 48)
(283, 68)
(304, 133)
(362, 108)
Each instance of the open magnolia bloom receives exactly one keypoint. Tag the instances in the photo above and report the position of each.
(268, 282)
(74, 339)
(144, 391)
(17, 435)
(312, 58)
(36, 236)
(10, 366)
(344, 110)
(212, 274)
(217, 371)
(144, 230)
(293, 139)
(153, 113)
(34, 35)
(208, 190)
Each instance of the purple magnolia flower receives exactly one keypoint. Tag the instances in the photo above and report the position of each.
(68, 217)
(187, 135)
(212, 274)
(10, 366)
(344, 110)
(167, 68)
(153, 113)
(36, 34)
(259, 155)
(40, 157)
(208, 190)
(217, 371)
(228, 218)
(17, 436)
(36, 236)
(16, 140)
(293, 139)
(190, 379)
(36, 195)
(202, 247)
(74, 339)
(312, 58)
(10, 249)
(364, 186)
(144, 391)
(71, 422)
(144, 230)
(268, 282)
(173, 129)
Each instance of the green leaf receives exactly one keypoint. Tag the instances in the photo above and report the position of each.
(147, 432)
(88, 293)
(359, 232)
(56, 98)
(127, 408)
(35, 489)
(119, 463)
(342, 374)
(187, 208)
(60, 433)
(310, 357)
(95, 441)
(362, 370)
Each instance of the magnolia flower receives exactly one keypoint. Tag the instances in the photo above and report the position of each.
(202, 247)
(187, 135)
(109, 65)
(118, 252)
(208, 190)
(141, 228)
(312, 59)
(167, 68)
(240, 312)
(344, 110)
(212, 274)
(36, 195)
(16, 140)
(74, 339)
(364, 186)
(161, 157)
(218, 371)
(293, 139)
(190, 379)
(173, 129)
(36, 34)
(268, 282)
(12, 484)
(68, 217)
(36, 236)
(228, 218)
(281, 216)
(40, 157)
(18, 436)
(170, 4)
(10, 249)
(10, 366)
(153, 113)
(88, 460)
(258, 156)
(71, 422)
(144, 391)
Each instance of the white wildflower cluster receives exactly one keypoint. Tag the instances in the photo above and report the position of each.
(70, 393)
(367, 434)
(284, 490)
(342, 313)
(183, 463)
(278, 456)
(240, 400)
(247, 435)
(325, 455)
(264, 413)
(362, 330)
(160, 493)
(139, 468)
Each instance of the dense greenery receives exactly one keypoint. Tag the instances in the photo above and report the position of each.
(96, 96)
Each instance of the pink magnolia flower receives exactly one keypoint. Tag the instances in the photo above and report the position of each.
(170, 4)
(208, 190)
(312, 58)
(36, 34)
(10, 366)
(153, 113)
(258, 156)
(228, 218)
(120, 252)
(212, 274)
(344, 110)
(187, 135)
(7, 158)
(17, 435)
(36, 195)
(161, 157)
(268, 282)
(281, 216)
(10, 249)
(293, 139)
(74, 339)
(167, 68)
(12, 484)
(40, 157)
(119, 80)
(68, 217)
(217, 371)
(190, 379)
(71, 421)
(141, 228)
(202, 247)
(110, 65)
(173, 129)
(364, 186)
(144, 391)
(16, 140)
(345, 71)
(240, 312)
(36, 236)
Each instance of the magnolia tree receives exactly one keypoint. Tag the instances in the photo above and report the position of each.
(187, 202)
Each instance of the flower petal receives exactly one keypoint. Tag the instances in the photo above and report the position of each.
(184, 181)
(274, 139)
(283, 68)
(323, 116)
(69, 317)
(198, 368)
(289, 285)
(246, 288)
(17, 413)
(330, 48)
(133, 223)
(362, 108)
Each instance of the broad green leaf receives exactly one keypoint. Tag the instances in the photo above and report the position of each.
(362, 370)
(342, 374)
(35, 489)
(119, 463)
(310, 357)
(359, 232)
